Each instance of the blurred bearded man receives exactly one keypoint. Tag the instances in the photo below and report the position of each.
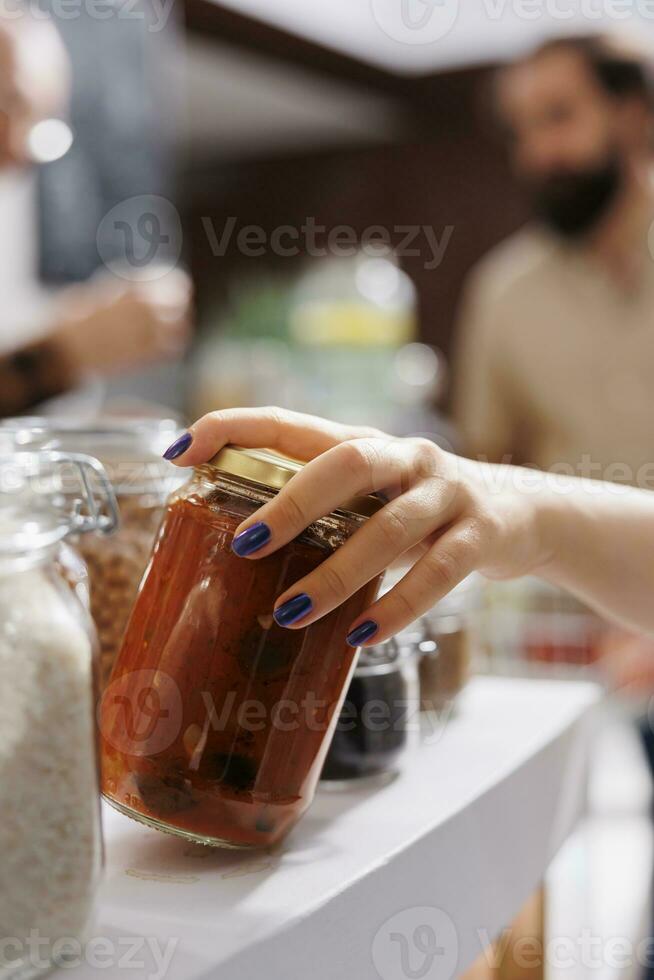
(556, 344)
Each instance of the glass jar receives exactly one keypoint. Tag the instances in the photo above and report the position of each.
(348, 318)
(557, 630)
(446, 647)
(50, 836)
(216, 720)
(130, 450)
(442, 640)
(377, 720)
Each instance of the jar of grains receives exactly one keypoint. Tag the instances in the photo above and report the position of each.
(216, 721)
(50, 838)
(130, 450)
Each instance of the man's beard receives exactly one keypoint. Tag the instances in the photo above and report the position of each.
(572, 203)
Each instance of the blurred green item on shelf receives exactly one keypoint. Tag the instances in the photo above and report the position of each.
(255, 308)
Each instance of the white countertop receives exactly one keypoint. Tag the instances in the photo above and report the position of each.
(450, 849)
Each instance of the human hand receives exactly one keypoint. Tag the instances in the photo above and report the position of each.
(445, 514)
(107, 325)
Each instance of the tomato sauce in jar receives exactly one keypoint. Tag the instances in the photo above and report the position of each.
(216, 720)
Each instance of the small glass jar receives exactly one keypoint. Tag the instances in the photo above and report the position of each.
(377, 720)
(442, 640)
(50, 836)
(557, 630)
(130, 449)
(446, 647)
(216, 720)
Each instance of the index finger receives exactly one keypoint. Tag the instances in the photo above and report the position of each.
(300, 436)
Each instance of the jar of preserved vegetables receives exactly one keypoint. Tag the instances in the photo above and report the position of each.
(130, 449)
(216, 720)
(50, 837)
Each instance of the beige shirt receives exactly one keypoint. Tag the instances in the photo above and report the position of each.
(555, 362)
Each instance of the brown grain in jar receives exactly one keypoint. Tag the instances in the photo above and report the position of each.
(130, 450)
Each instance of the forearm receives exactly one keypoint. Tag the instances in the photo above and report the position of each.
(599, 543)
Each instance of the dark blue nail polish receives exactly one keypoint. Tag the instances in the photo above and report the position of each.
(364, 631)
(250, 540)
(179, 446)
(293, 609)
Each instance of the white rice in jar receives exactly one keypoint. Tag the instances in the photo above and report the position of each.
(50, 843)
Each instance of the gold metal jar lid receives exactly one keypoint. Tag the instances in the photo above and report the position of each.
(271, 469)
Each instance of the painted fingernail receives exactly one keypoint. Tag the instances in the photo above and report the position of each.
(293, 609)
(362, 632)
(179, 446)
(250, 540)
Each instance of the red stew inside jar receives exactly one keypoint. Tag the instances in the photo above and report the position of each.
(216, 720)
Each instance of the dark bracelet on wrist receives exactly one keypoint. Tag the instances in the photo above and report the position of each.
(32, 374)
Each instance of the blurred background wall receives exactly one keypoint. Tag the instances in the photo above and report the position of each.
(320, 134)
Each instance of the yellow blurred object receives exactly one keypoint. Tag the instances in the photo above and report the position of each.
(351, 323)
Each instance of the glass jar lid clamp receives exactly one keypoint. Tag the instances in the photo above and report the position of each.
(73, 484)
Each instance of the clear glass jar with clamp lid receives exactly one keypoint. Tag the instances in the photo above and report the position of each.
(50, 837)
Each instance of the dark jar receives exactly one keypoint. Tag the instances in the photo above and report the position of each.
(216, 720)
(378, 719)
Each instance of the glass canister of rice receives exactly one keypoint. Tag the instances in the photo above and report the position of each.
(50, 838)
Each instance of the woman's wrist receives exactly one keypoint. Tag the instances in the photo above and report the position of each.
(523, 513)
(559, 522)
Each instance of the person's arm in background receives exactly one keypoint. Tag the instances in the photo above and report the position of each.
(104, 327)
(483, 410)
(449, 516)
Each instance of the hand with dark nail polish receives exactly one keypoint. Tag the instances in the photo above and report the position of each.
(293, 610)
(364, 631)
(179, 446)
(250, 540)
(431, 505)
